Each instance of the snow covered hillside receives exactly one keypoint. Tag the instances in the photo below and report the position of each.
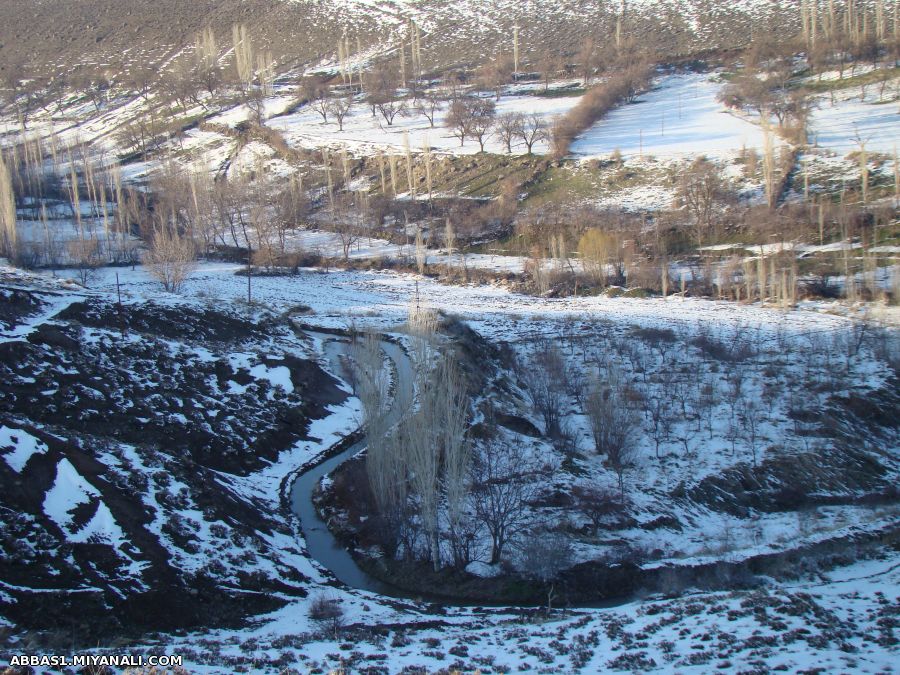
(762, 395)
(680, 117)
(455, 21)
(143, 449)
(451, 336)
(156, 497)
(846, 621)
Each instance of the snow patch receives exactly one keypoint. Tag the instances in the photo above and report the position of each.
(19, 447)
(70, 490)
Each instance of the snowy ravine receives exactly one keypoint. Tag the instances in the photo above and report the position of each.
(842, 620)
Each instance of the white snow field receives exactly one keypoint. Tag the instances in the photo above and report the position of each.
(849, 120)
(71, 490)
(364, 132)
(586, 330)
(18, 447)
(838, 624)
(679, 117)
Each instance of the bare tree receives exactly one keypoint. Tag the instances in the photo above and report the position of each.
(93, 85)
(452, 406)
(587, 60)
(327, 612)
(340, 107)
(549, 65)
(437, 453)
(700, 189)
(543, 555)
(206, 57)
(84, 254)
(613, 425)
(596, 503)
(421, 252)
(230, 197)
(256, 104)
(348, 233)
(8, 227)
(597, 250)
(659, 413)
(428, 451)
(314, 92)
(483, 113)
(532, 130)
(544, 378)
(291, 206)
(496, 73)
(25, 90)
(458, 119)
(449, 240)
(382, 92)
(179, 83)
(429, 104)
(141, 78)
(750, 422)
(171, 257)
(423, 463)
(385, 464)
(243, 54)
(509, 127)
(503, 483)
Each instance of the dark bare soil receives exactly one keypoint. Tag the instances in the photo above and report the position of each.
(154, 410)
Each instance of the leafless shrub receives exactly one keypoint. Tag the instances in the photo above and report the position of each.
(84, 255)
(503, 483)
(596, 503)
(544, 376)
(623, 86)
(171, 257)
(614, 425)
(543, 555)
(327, 612)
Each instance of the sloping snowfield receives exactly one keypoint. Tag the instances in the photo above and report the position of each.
(849, 120)
(840, 624)
(679, 117)
(364, 132)
(837, 623)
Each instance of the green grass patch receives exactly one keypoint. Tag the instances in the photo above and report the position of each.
(484, 179)
(560, 92)
(567, 182)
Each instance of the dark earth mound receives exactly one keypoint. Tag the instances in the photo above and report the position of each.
(149, 416)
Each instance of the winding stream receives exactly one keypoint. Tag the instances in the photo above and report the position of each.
(321, 544)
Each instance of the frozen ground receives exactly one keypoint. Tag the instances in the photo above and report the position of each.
(843, 621)
(874, 121)
(679, 117)
(787, 349)
(364, 133)
(382, 298)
